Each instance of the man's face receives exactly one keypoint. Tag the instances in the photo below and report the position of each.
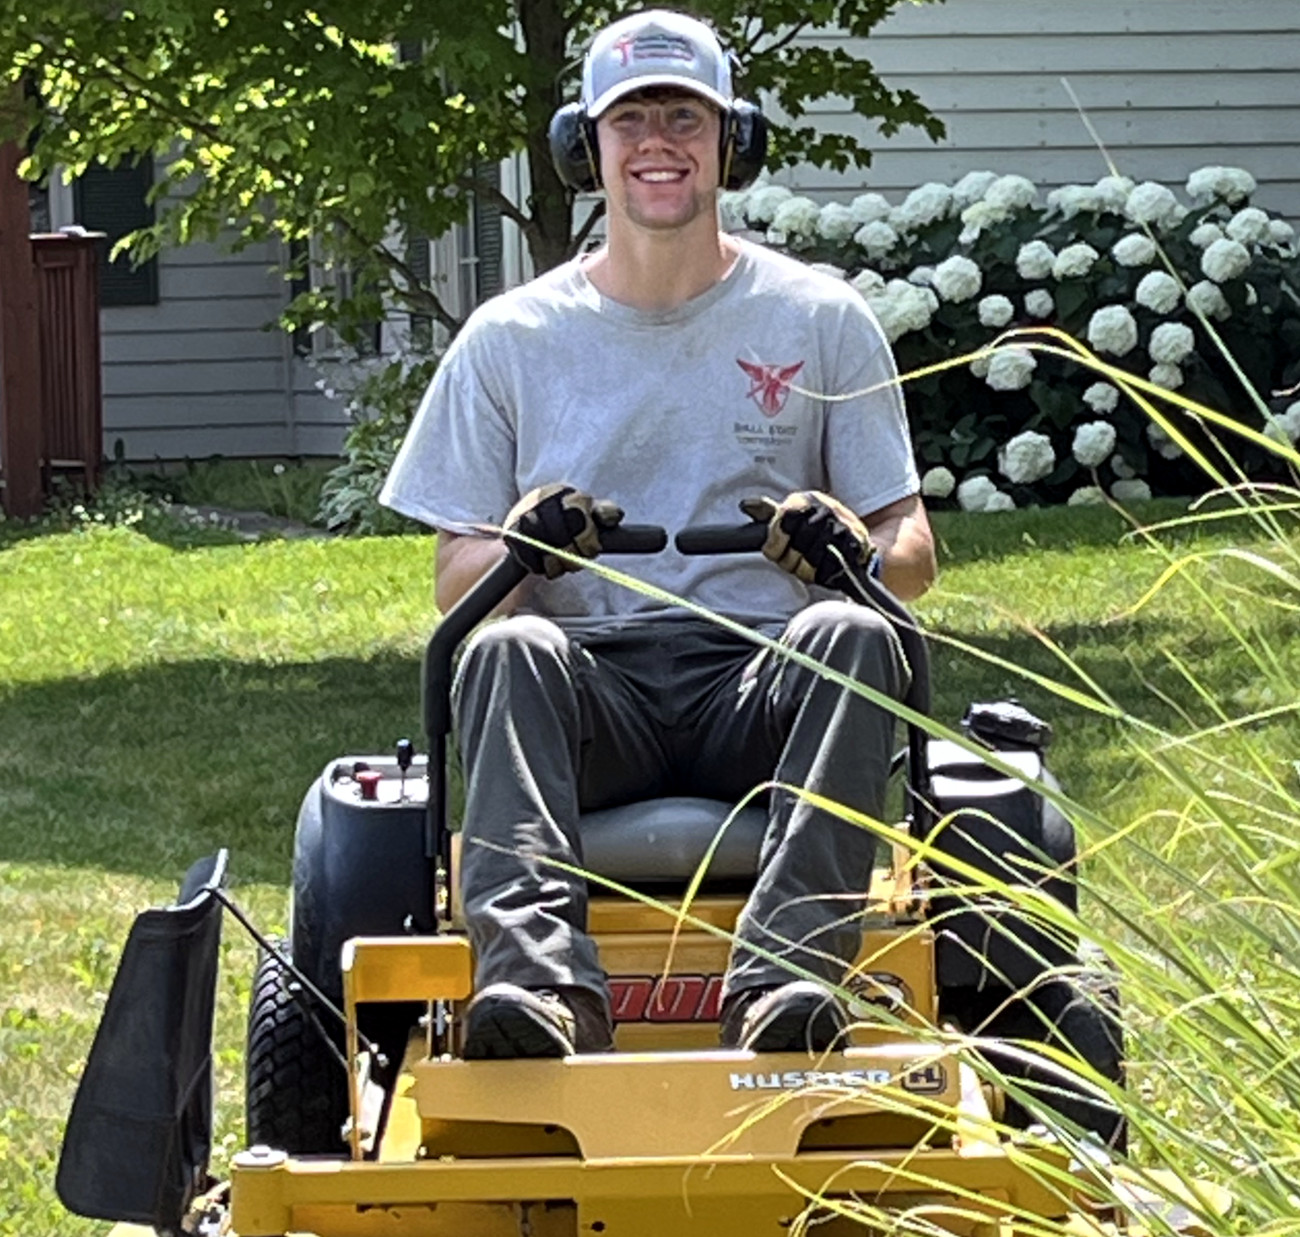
(659, 157)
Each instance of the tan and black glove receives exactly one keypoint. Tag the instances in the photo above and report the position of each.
(562, 518)
(814, 537)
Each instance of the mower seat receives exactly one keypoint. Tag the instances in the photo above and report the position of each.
(664, 841)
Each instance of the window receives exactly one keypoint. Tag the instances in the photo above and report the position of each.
(115, 201)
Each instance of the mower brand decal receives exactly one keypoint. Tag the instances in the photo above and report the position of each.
(665, 998)
(880, 988)
(924, 1080)
(769, 385)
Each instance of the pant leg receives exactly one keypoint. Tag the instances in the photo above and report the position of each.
(779, 716)
(531, 705)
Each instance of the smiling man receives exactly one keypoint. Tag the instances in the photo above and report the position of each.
(674, 374)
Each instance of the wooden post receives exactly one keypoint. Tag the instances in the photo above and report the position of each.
(20, 360)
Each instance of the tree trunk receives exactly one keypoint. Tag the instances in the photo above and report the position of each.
(550, 204)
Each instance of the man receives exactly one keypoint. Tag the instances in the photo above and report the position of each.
(674, 373)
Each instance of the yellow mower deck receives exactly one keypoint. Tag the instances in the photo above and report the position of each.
(668, 1135)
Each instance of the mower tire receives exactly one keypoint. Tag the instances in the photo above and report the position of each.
(1076, 1012)
(296, 1087)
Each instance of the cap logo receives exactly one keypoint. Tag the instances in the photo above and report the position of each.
(661, 47)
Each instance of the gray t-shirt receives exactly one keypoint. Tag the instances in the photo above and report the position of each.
(675, 416)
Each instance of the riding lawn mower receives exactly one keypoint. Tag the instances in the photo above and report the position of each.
(937, 1115)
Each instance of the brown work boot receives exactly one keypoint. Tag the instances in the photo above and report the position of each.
(505, 1021)
(801, 1016)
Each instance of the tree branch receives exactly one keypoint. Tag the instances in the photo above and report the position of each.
(416, 294)
(490, 193)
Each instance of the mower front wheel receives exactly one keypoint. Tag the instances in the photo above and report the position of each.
(296, 1085)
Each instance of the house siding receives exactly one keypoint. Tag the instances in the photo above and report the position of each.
(1169, 85)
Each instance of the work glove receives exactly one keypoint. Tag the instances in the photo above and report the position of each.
(561, 517)
(814, 537)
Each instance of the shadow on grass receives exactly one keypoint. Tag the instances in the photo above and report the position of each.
(143, 772)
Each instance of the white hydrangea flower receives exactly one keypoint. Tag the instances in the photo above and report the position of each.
(1000, 500)
(1289, 422)
(1230, 185)
(1171, 343)
(1011, 193)
(1134, 250)
(1027, 458)
(1153, 204)
(922, 275)
(797, 216)
(926, 204)
(731, 210)
(1168, 376)
(1093, 443)
(869, 208)
(1039, 303)
(1225, 261)
(980, 366)
(1280, 233)
(1208, 301)
(1101, 397)
(1112, 193)
(1158, 292)
(1011, 369)
(1133, 490)
(836, 222)
(1161, 443)
(996, 311)
(957, 279)
(1250, 226)
(867, 282)
(974, 493)
(977, 217)
(1204, 235)
(1121, 467)
(763, 200)
(1074, 261)
(828, 268)
(1035, 260)
(901, 307)
(1087, 496)
(971, 188)
(1252, 297)
(938, 482)
(1070, 201)
(878, 239)
(1113, 329)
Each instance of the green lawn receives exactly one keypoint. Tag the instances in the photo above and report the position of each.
(162, 694)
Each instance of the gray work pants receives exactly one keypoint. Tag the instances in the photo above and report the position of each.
(551, 724)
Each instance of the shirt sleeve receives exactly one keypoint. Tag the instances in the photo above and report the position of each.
(868, 456)
(455, 469)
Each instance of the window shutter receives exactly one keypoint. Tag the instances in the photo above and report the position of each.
(488, 245)
(113, 201)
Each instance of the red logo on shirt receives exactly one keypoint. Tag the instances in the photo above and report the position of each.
(769, 385)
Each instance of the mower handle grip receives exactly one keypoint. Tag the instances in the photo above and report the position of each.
(722, 538)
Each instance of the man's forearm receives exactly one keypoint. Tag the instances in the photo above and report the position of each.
(461, 563)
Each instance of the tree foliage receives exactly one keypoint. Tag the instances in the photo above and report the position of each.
(363, 122)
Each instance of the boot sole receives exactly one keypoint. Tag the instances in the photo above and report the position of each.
(504, 1031)
(801, 1026)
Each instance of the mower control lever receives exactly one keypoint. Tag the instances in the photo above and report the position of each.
(722, 538)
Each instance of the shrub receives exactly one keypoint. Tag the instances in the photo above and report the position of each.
(951, 267)
(383, 396)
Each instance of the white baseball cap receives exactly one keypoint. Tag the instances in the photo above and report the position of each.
(655, 48)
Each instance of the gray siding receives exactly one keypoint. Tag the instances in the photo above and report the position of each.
(1170, 85)
(196, 374)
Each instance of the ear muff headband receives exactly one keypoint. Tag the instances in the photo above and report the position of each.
(742, 147)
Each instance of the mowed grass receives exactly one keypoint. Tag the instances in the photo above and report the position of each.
(158, 701)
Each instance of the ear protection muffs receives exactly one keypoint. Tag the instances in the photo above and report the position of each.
(742, 146)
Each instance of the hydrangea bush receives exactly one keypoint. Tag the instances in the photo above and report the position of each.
(952, 266)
